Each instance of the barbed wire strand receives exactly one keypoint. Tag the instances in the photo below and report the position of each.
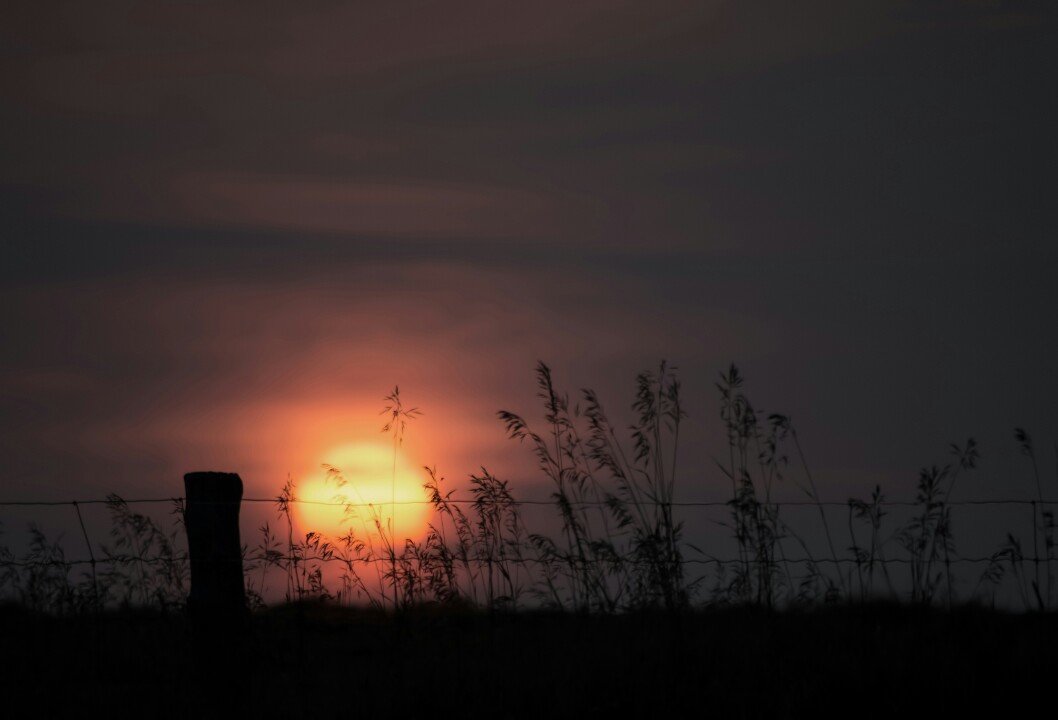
(164, 560)
(467, 501)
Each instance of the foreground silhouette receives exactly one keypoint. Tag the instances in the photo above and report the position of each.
(315, 660)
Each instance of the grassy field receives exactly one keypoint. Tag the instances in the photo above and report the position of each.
(490, 617)
(318, 660)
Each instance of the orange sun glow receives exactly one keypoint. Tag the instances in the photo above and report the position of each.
(362, 490)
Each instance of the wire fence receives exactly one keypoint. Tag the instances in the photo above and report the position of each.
(467, 501)
(855, 557)
(179, 501)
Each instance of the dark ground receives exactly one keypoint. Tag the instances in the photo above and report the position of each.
(314, 661)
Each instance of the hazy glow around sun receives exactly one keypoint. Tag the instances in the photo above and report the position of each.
(364, 491)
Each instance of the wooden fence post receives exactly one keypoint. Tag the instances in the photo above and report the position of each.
(212, 522)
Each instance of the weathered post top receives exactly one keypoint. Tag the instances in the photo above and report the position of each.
(212, 522)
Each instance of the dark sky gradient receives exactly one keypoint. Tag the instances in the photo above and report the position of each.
(229, 229)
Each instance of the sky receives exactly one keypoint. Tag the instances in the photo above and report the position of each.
(230, 229)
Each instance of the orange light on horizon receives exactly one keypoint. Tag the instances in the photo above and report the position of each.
(363, 493)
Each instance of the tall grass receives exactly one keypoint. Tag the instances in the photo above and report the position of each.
(143, 566)
(618, 543)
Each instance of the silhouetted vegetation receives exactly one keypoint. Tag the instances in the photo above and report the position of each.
(613, 611)
(619, 545)
(318, 660)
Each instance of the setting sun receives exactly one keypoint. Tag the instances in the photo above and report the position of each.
(361, 493)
